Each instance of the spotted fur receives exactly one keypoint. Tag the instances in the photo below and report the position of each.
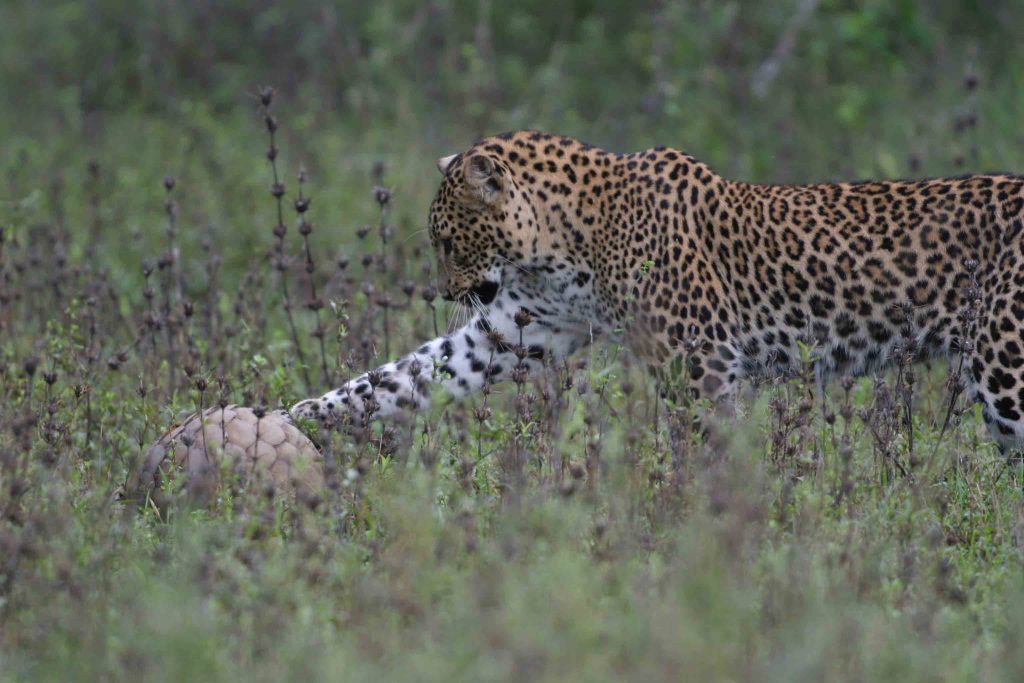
(656, 249)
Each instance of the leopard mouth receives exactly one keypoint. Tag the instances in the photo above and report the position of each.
(485, 292)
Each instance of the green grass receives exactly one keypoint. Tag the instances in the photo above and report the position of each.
(803, 540)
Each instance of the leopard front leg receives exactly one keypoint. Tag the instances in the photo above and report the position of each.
(484, 350)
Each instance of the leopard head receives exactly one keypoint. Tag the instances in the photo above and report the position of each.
(475, 225)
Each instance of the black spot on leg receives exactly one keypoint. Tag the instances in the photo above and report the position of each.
(1006, 409)
(1003, 378)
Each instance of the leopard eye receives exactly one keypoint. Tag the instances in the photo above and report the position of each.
(447, 245)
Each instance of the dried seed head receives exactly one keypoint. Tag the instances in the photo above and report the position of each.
(277, 189)
(30, 366)
(362, 232)
(305, 228)
(266, 95)
(374, 378)
(279, 231)
(370, 405)
(49, 457)
(429, 293)
(302, 204)
(271, 123)
(523, 318)
(408, 288)
(50, 377)
(259, 412)
(382, 195)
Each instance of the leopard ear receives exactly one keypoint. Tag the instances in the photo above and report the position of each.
(444, 162)
(484, 178)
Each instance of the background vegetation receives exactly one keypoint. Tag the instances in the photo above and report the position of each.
(547, 530)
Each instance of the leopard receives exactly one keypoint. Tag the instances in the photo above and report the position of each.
(554, 243)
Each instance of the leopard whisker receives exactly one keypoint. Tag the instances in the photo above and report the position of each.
(518, 267)
(414, 234)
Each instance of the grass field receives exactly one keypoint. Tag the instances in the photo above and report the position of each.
(568, 527)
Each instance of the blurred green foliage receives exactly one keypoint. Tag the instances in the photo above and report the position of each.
(774, 91)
